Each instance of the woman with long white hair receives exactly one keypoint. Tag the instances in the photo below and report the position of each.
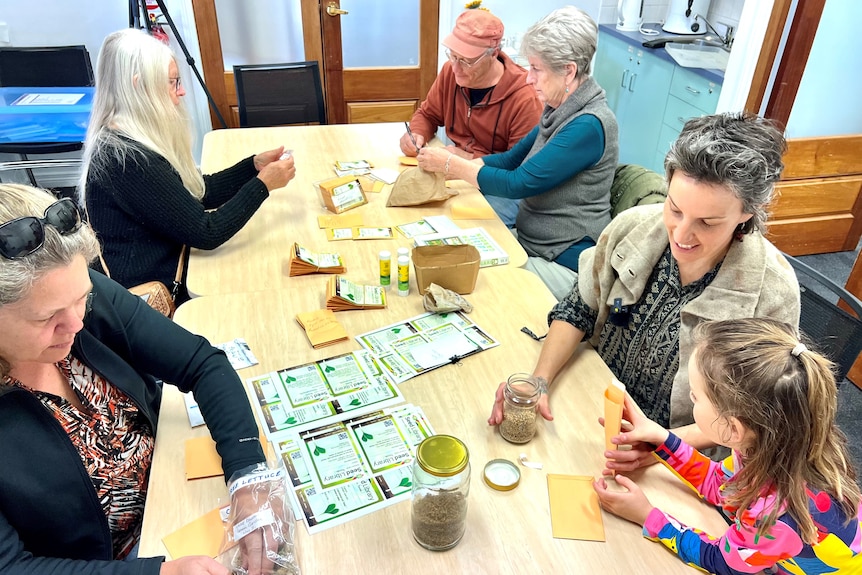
(143, 193)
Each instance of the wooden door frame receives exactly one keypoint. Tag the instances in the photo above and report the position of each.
(339, 82)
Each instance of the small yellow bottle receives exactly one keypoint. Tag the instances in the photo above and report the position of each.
(403, 275)
(385, 259)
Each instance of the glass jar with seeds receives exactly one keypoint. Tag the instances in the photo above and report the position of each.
(520, 406)
(441, 483)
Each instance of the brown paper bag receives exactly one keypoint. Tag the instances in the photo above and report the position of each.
(415, 186)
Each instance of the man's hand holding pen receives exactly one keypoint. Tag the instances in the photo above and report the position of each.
(411, 143)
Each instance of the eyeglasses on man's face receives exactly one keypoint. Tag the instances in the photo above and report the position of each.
(464, 63)
(22, 236)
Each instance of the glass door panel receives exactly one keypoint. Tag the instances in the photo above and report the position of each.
(377, 33)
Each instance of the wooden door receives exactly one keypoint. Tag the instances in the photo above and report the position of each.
(360, 88)
(353, 94)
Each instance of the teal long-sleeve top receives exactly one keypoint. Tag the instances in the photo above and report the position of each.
(577, 146)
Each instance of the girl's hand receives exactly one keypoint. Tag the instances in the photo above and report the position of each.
(636, 443)
(631, 504)
(642, 427)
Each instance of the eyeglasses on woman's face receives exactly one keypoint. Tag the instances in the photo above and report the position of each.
(176, 83)
(22, 236)
(463, 62)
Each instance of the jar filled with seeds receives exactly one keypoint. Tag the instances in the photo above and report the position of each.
(520, 406)
(441, 483)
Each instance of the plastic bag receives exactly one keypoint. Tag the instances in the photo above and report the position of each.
(440, 300)
(259, 534)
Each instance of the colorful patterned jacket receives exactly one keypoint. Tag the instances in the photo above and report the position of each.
(741, 550)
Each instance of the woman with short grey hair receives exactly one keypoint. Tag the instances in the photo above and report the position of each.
(741, 152)
(563, 169)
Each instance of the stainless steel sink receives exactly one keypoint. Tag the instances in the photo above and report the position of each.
(707, 41)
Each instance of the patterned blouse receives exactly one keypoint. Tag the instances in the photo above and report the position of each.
(741, 549)
(641, 347)
(115, 443)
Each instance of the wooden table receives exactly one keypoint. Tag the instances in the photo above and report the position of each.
(507, 532)
(257, 257)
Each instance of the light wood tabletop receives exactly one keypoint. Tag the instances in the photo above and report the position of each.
(507, 532)
(257, 257)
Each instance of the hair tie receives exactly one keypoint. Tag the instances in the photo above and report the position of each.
(797, 349)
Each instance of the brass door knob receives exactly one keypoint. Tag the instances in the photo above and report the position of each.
(333, 10)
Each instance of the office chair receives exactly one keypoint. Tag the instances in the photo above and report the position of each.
(50, 66)
(836, 331)
(278, 94)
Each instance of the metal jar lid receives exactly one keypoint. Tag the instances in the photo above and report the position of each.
(442, 455)
(502, 474)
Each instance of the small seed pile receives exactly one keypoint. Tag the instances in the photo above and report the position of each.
(519, 425)
(439, 519)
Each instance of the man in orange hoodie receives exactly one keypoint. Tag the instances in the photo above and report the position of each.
(481, 97)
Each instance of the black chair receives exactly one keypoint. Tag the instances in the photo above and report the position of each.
(837, 332)
(279, 94)
(41, 67)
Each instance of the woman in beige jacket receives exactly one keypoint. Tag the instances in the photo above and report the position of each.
(657, 271)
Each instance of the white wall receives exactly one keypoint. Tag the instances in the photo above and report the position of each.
(827, 103)
(516, 16)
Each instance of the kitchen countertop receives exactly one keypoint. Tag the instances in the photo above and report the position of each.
(637, 39)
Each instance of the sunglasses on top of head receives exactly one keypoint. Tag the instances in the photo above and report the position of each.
(22, 236)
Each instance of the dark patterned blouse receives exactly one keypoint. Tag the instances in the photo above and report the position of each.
(115, 443)
(643, 350)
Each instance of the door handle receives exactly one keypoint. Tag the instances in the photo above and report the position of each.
(692, 90)
(632, 82)
(333, 10)
(623, 82)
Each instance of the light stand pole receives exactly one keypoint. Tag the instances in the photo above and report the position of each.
(136, 7)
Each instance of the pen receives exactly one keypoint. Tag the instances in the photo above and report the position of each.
(410, 133)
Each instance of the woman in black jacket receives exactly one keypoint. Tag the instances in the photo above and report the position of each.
(79, 400)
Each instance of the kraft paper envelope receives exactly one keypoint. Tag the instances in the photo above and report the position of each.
(465, 210)
(203, 536)
(370, 184)
(575, 509)
(340, 221)
(614, 396)
(202, 459)
(321, 327)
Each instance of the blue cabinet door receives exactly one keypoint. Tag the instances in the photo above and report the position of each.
(637, 85)
(614, 61)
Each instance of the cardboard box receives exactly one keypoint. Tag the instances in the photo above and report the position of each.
(451, 267)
